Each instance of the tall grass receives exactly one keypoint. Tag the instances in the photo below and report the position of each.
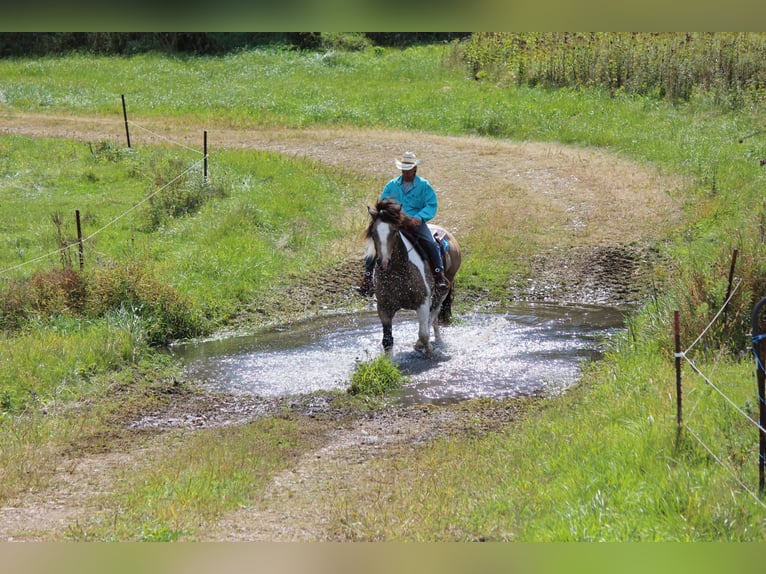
(729, 67)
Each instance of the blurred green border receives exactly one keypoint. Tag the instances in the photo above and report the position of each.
(371, 558)
(377, 16)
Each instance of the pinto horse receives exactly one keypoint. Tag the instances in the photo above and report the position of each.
(403, 276)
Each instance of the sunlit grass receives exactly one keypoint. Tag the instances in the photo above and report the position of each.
(600, 464)
(191, 486)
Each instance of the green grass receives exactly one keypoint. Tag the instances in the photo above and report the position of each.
(178, 496)
(601, 462)
(376, 377)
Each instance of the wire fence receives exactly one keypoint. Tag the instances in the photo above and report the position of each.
(708, 379)
(5, 272)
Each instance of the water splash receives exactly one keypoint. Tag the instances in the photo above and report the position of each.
(537, 349)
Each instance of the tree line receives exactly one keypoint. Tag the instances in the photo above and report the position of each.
(20, 44)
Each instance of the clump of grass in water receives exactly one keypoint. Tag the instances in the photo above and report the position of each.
(376, 377)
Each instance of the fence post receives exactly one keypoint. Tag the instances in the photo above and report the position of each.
(757, 323)
(678, 355)
(205, 154)
(79, 238)
(731, 279)
(125, 115)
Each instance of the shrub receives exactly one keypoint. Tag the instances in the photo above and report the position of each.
(131, 288)
(376, 377)
(177, 192)
(44, 294)
(345, 41)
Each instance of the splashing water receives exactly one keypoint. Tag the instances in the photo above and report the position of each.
(534, 350)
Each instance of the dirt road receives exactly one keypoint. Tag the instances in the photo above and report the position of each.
(604, 212)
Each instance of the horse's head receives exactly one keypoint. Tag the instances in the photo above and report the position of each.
(385, 220)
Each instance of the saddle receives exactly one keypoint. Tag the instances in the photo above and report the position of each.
(441, 241)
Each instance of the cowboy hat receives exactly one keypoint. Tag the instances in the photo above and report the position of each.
(407, 161)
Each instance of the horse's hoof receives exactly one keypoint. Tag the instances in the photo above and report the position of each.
(427, 350)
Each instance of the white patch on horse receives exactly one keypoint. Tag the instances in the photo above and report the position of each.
(384, 230)
(417, 261)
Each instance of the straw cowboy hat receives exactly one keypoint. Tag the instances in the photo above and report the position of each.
(407, 161)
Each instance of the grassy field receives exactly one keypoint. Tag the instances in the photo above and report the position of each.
(601, 463)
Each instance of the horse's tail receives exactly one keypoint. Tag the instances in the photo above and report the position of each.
(445, 311)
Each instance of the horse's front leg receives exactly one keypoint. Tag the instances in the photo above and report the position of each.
(388, 335)
(424, 328)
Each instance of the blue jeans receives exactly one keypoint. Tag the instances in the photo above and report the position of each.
(428, 242)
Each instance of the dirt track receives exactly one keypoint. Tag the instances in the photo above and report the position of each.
(604, 212)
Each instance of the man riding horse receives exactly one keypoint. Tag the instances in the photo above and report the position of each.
(419, 203)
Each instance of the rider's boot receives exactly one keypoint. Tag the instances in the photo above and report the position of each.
(440, 282)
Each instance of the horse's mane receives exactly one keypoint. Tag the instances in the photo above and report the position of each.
(387, 211)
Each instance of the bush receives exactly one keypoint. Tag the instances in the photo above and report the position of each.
(177, 192)
(46, 293)
(376, 377)
(131, 288)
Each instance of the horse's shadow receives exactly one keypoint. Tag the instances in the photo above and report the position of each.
(414, 362)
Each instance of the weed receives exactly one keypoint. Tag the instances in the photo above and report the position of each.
(376, 377)
(178, 191)
(165, 313)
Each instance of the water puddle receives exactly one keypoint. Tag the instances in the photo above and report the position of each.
(533, 350)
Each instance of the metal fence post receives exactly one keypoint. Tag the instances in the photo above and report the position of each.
(758, 324)
(204, 143)
(79, 238)
(125, 115)
(678, 355)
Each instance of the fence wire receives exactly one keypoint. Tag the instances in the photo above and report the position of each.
(708, 381)
(725, 467)
(62, 249)
(167, 139)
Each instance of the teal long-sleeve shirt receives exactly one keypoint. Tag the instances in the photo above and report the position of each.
(420, 201)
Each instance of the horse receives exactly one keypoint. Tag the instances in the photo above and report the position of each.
(403, 277)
